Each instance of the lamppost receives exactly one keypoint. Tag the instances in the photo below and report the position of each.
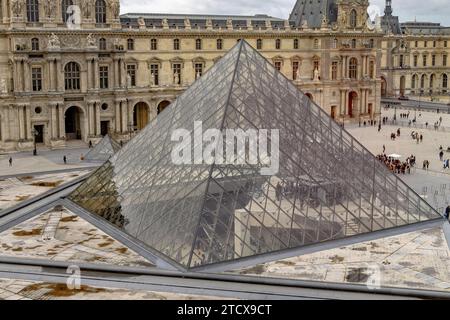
(35, 133)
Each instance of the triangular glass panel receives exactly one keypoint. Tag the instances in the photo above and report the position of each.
(327, 187)
(104, 150)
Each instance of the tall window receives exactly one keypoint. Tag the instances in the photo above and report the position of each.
(371, 43)
(259, 44)
(130, 44)
(354, 43)
(104, 83)
(100, 11)
(295, 67)
(219, 44)
(316, 64)
(36, 79)
(433, 60)
(434, 44)
(353, 19)
(176, 44)
(416, 61)
(334, 70)
(72, 76)
(102, 44)
(176, 67)
(422, 81)
(35, 44)
(445, 44)
(413, 82)
(198, 70)
(425, 44)
(65, 4)
(353, 68)
(432, 81)
(316, 43)
(416, 44)
(334, 43)
(444, 81)
(424, 60)
(278, 44)
(131, 71)
(444, 60)
(33, 10)
(154, 72)
(401, 61)
(153, 44)
(198, 44)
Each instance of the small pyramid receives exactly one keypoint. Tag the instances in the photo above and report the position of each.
(328, 186)
(104, 150)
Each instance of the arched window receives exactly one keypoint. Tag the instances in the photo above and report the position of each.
(353, 68)
(259, 44)
(72, 76)
(35, 44)
(198, 44)
(353, 19)
(33, 10)
(444, 81)
(65, 4)
(432, 80)
(130, 44)
(413, 82)
(278, 44)
(219, 44)
(422, 81)
(102, 44)
(334, 43)
(176, 44)
(100, 11)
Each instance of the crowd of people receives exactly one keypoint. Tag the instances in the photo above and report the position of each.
(397, 166)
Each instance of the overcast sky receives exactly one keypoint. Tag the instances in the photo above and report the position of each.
(408, 10)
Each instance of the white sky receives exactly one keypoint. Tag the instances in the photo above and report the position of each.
(407, 10)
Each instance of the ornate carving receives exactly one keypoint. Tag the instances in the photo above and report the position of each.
(3, 86)
(53, 42)
(90, 41)
(17, 7)
(141, 22)
(114, 5)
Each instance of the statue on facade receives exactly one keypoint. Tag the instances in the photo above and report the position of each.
(316, 75)
(114, 5)
(305, 24)
(165, 23)
(3, 86)
(229, 24)
(49, 8)
(86, 8)
(152, 79)
(53, 42)
(129, 81)
(175, 78)
(17, 7)
(141, 22)
(187, 23)
(90, 41)
(297, 74)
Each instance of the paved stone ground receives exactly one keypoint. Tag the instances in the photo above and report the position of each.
(16, 190)
(418, 260)
(62, 236)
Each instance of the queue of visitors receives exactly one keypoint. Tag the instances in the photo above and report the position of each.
(397, 166)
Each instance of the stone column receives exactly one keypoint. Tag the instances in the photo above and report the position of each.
(124, 116)
(89, 74)
(53, 121)
(123, 73)
(59, 76)
(117, 115)
(97, 119)
(346, 102)
(18, 73)
(28, 134)
(27, 76)
(116, 72)
(61, 121)
(95, 72)
(91, 118)
(6, 125)
(21, 122)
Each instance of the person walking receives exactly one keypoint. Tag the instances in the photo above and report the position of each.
(447, 213)
(441, 155)
(65, 159)
(10, 161)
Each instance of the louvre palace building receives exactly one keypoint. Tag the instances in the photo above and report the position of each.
(78, 70)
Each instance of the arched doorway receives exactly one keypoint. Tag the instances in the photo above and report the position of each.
(140, 115)
(310, 96)
(163, 105)
(74, 117)
(352, 103)
(383, 87)
(402, 86)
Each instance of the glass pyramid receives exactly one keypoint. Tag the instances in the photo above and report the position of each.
(104, 150)
(328, 186)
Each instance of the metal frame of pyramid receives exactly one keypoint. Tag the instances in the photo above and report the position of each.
(104, 150)
(329, 191)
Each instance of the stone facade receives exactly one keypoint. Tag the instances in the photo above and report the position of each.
(68, 73)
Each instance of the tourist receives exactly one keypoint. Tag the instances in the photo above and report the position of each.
(398, 132)
(447, 213)
(10, 162)
(421, 138)
(90, 144)
(65, 159)
(441, 155)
